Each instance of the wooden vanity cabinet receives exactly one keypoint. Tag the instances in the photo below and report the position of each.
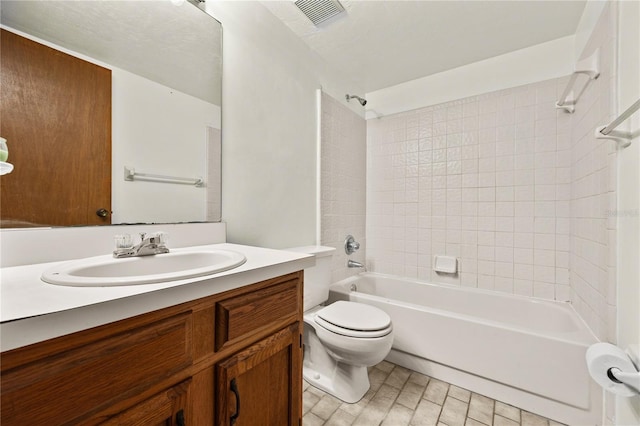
(260, 385)
(234, 358)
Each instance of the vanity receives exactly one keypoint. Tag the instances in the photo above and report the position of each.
(223, 349)
(216, 349)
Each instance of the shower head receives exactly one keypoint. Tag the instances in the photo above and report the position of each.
(362, 101)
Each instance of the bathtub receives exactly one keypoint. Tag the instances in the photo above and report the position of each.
(526, 352)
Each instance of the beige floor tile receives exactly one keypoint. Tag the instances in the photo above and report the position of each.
(386, 392)
(459, 393)
(378, 407)
(426, 414)
(355, 409)
(377, 378)
(398, 377)
(340, 418)
(311, 419)
(503, 421)
(315, 391)
(308, 401)
(400, 397)
(326, 406)
(410, 395)
(507, 411)
(481, 409)
(419, 379)
(372, 415)
(385, 366)
(436, 391)
(530, 419)
(472, 422)
(454, 412)
(398, 416)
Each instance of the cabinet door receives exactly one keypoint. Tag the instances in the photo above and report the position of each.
(262, 385)
(168, 408)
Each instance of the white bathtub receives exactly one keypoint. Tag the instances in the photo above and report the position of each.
(523, 351)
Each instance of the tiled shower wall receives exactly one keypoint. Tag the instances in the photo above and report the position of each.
(593, 186)
(343, 182)
(521, 193)
(486, 179)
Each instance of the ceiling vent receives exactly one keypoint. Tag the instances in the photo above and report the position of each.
(319, 11)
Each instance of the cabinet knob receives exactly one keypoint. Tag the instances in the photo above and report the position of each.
(234, 389)
(102, 212)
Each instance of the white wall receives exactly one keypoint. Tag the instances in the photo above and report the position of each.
(167, 137)
(588, 21)
(269, 132)
(343, 183)
(628, 315)
(593, 189)
(537, 63)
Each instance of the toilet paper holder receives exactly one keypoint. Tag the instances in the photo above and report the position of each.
(613, 369)
(630, 379)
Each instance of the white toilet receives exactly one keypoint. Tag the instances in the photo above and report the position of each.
(342, 339)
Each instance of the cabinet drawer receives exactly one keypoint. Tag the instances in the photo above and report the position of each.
(72, 383)
(241, 316)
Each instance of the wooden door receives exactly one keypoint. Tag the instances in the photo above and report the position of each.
(56, 117)
(262, 385)
(168, 408)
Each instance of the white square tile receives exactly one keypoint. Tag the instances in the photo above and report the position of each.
(523, 271)
(504, 239)
(504, 254)
(524, 224)
(523, 256)
(485, 253)
(505, 224)
(504, 208)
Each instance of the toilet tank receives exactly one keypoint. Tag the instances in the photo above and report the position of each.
(317, 279)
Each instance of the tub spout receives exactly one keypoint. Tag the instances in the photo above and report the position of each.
(354, 264)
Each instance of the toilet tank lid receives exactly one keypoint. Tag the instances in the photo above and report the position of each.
(317, 251)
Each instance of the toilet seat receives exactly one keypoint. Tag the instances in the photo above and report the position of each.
(354, 319)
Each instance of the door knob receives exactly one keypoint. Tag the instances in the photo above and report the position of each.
(102, 212)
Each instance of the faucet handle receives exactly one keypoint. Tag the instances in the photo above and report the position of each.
(161, 237)
(350, 245)
(123, 241)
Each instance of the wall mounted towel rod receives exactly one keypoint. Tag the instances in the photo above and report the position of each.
(589, 66)
(622, 137)
(130, 174)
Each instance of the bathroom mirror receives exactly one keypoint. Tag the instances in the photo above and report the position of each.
(165, 60)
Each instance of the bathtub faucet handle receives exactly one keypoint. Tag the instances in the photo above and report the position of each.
(351, 245)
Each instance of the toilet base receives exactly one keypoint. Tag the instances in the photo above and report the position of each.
(348, 383)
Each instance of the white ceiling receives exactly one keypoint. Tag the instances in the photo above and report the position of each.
(179, 47)
(384, 43)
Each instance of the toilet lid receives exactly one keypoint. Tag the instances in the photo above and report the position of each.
(350, 317)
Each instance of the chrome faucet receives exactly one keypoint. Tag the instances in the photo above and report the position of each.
(354, 264)
(149, 245)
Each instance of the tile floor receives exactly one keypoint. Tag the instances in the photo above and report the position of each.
(399, 396)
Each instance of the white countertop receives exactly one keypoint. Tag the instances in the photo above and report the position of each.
(32, 310)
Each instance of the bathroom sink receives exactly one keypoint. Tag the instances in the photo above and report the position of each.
(106, 271)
